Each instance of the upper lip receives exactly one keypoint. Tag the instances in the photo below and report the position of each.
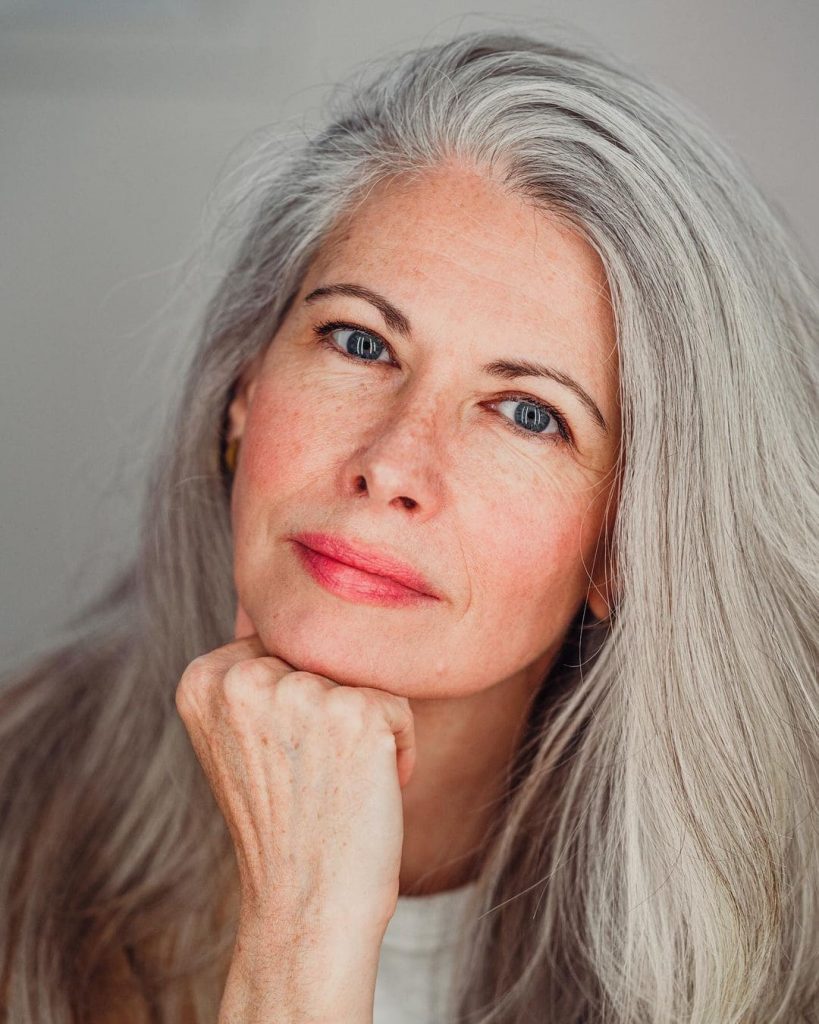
(362, 556)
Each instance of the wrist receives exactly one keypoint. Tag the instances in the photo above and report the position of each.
(300, 976)
(336, 931)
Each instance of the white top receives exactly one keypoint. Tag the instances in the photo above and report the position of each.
(415, 963)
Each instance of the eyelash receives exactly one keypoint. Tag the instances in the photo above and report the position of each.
(323, 330)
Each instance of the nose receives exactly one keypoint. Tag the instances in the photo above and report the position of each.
(399, 465)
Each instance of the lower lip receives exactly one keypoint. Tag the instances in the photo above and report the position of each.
(355, 584)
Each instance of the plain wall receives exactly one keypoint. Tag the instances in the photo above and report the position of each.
(115, 125)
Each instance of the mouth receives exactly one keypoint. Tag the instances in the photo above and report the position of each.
(360, 573)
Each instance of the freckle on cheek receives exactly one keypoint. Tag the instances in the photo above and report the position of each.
(274, 457)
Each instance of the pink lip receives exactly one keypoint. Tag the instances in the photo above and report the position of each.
(360, 572)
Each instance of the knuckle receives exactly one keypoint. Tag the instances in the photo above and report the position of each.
(296, 689)
(243, 679)
(182, 701)
(198, 672)
(348, 708)
(293, 680)
(181, 695)
(290, 684)
(308, 682)
(193, 683)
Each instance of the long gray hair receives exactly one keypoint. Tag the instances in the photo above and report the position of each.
(655, 858)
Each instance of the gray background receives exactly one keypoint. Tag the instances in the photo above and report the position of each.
(117, 120)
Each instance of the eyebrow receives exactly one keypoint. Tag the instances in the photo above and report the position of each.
(506, 369)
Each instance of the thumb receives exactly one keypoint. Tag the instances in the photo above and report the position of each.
(406, 765)
(398, 713)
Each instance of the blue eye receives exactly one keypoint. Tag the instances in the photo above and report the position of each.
(359, 344)
(532, 419)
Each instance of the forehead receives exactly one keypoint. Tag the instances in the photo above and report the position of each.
(454, 249)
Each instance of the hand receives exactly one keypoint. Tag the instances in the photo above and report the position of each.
(308, 776)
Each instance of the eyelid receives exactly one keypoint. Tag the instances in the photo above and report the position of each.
(564, 433)
(328, 326)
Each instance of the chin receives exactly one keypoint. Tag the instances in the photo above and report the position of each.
(318, 652)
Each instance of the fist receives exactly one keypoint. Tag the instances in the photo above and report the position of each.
(307, 774)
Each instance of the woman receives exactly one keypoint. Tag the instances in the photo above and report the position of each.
(576, 689)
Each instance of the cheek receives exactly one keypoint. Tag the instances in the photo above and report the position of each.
(291, 448)
(530, 566)
(273, 461)
(286, 440)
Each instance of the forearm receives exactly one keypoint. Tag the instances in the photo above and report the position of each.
(304, 980)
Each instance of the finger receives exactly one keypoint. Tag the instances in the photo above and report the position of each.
(220, 659)
(405, 763)
(401, 720)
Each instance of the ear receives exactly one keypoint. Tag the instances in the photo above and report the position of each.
(602, 594)
(242, 397)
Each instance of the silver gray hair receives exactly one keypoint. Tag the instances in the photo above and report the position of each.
(655, 859)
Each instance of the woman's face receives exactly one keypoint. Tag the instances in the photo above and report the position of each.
(406, 433)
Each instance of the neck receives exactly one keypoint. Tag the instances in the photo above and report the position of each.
(465, 749)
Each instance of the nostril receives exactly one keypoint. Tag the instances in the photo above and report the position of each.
(361, 484)
(409, 502)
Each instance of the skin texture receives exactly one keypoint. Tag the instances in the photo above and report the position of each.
(307, 773)
(508, 527)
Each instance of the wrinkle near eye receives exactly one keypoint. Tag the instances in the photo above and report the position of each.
(516, 452)
(562, 470)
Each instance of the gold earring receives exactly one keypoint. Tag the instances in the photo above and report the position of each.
(231, 455)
